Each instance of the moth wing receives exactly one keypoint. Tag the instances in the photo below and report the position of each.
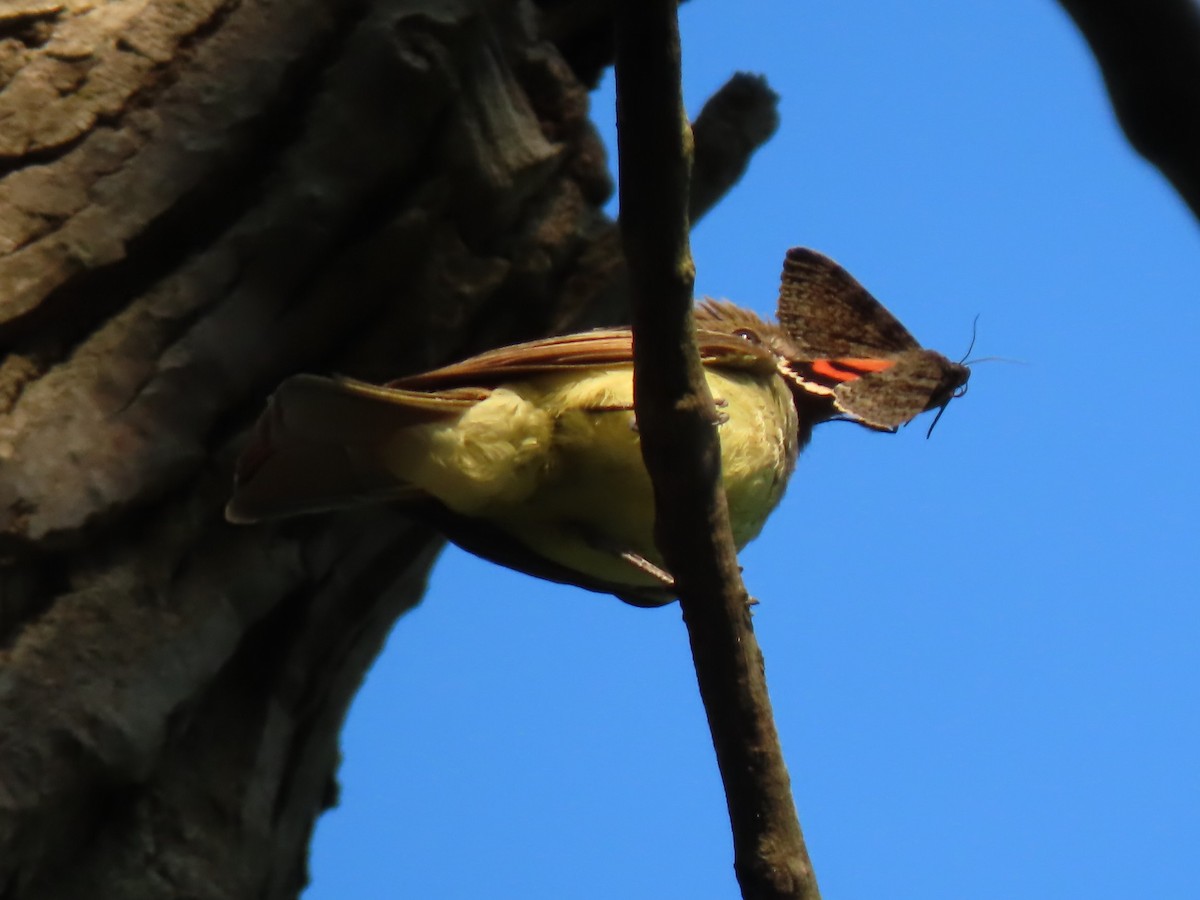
(829, 314)
(893, 397)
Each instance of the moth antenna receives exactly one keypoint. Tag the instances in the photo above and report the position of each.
(1003, 359)
(970, 346)
(941, 409)
(960, 391)
(970, 362)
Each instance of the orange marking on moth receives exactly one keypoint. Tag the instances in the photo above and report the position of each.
(849, 368)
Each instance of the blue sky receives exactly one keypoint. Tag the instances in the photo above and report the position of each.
(981, 647)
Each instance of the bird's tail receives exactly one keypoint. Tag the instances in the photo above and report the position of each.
(323, 443)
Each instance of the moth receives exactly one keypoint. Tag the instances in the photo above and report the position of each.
(852, 350)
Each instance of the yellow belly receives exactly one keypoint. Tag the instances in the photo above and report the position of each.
(556, 462)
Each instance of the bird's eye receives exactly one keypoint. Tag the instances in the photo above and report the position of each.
(749, 335)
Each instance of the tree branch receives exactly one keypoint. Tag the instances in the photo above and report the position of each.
(1149, 54)
(736, 121)
(676, 419)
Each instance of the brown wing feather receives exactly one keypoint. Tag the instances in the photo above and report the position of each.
(591, 349)
(829, 314)
(302, 456)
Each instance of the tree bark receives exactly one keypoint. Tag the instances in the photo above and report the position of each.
(196, 200)
(1149, 54)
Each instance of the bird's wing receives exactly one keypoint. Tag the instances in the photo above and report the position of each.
(589, 349)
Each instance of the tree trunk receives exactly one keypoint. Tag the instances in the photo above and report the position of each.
(198, 199)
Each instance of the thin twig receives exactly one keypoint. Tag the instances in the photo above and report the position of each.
(676, 419)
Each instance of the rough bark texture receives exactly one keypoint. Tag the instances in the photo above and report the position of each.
(197, 199)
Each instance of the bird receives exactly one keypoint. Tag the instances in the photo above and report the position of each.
(528, 455)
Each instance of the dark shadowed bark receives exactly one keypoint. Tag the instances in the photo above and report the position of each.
(196, 200)
(1149, 54)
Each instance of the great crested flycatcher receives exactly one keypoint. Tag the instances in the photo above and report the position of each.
(528, 455)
